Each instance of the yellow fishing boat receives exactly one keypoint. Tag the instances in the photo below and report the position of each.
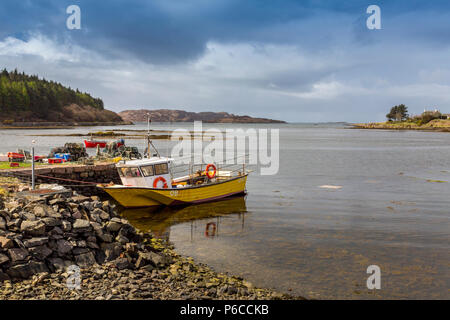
(149, 182)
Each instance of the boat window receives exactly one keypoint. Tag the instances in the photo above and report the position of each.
(123, 172)
(147, 170)
(161, 168)
(130, 172)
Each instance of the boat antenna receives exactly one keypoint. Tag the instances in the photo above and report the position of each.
(149, 142)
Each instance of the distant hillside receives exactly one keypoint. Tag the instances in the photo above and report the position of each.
(165, 115)
(25, 98)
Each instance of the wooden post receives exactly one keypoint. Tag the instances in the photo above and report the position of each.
(32, 168)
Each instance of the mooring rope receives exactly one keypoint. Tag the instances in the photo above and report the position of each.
(27, 175)
(63, 179)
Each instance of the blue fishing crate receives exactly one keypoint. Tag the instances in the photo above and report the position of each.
(64, 156)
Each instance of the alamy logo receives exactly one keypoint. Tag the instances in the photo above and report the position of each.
(74, 280)
(374, 281)
(374, 21)
(259, 146)
(74, 20)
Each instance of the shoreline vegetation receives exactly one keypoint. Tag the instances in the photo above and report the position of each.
(107, 134)
(439, 125)
(30, 101)
(59, 125)
(399, 119)
(120, 133)
(40, 237)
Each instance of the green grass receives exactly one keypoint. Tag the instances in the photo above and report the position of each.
(5, 165)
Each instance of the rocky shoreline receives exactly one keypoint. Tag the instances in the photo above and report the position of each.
(44, 240)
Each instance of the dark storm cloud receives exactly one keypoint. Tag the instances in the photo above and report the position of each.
(178, 30)
(311, 60)
(153, 31)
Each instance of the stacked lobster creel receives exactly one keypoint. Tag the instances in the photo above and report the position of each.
(118, 149)
(76, 150)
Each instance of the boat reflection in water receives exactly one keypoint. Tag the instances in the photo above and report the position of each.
(159, 220)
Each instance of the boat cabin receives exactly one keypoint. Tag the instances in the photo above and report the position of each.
(149, 172)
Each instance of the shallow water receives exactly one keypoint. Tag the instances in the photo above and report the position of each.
(291, 234)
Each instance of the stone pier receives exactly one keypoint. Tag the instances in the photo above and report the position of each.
(81, 178)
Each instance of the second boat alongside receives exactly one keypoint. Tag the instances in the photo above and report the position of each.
(94, 143)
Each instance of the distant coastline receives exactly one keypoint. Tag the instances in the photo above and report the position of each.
(27, 101)
(440, 125)
(168, 115)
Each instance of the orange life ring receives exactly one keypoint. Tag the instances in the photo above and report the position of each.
(213, 172)
(155, 182)
(213, 233)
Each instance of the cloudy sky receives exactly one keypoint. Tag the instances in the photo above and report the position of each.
(300, 61)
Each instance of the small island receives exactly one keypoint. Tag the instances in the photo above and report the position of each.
(399, 119)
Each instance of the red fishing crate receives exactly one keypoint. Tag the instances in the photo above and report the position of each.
(55, 160)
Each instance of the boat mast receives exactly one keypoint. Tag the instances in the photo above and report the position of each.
(148, 136)
(149, 142)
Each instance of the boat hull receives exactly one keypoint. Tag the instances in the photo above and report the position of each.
(133, 197)
(94, 144)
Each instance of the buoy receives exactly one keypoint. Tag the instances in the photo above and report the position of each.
(155, 182)
(213, 172)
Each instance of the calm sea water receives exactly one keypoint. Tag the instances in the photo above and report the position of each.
(288, 233)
